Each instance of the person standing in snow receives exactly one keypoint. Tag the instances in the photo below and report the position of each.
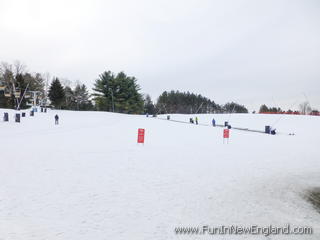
(213, 122)
(56, 119)
(196, 120)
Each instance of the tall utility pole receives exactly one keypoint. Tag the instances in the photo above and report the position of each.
(34, 94)
(47, 76)
(112, 99)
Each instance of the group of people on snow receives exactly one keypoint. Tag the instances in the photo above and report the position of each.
(194, 121)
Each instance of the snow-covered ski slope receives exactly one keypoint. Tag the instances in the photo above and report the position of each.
(88, 179)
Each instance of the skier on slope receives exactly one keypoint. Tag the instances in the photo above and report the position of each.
(196, 120)
(56, 119)
(213, 122)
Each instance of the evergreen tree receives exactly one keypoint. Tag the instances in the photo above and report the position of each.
(119, 93)
(56, 93)
(184, 102)
(103, 88)
(263, 109)
(81, 96)
(148, 105)
(235, 108)
(77, 98)
(69, 100)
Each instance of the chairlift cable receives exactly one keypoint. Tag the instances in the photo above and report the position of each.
(234, 106)
(222, 126)
(272, 126)
(24, 93)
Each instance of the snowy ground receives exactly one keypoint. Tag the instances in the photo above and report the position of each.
(88, 178)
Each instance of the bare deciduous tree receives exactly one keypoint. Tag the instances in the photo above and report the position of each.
(305, 108)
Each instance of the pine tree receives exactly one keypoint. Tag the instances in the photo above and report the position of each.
(56, 93)
(69, 101)
(235, 108)
(118, 93)
(103, 88)
(263, 109)
(81, 96)
(184, 102)
(148, 105)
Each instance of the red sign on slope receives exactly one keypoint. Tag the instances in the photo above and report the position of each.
(141, 135)
(226, 133)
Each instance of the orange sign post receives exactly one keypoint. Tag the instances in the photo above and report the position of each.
(141, 133)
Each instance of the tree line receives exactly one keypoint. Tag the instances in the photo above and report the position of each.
(114, 92)
(189, 103)
(77, 98)
(304, 108)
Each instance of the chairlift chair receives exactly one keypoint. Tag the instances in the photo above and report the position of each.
(7, 94)
(17, 93)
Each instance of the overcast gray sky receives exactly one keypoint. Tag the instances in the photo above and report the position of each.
(248, 51)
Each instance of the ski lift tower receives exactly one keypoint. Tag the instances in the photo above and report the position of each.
(2, 86)
(34, 96)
